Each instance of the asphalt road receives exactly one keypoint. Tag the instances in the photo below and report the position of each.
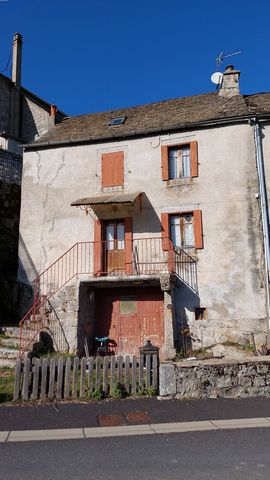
(223, 455)
(78, 415)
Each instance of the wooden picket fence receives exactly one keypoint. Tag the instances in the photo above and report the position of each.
(71, 378)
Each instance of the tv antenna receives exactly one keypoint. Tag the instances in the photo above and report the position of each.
(220, 59)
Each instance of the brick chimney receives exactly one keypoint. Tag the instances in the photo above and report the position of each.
(230, 82)
(17, 60)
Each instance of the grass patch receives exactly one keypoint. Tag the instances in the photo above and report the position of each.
(7, 377)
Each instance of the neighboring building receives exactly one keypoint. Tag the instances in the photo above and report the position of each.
(171, 249)
(23, 118)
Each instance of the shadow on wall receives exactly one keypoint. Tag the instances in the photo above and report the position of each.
(185, 301)
(29, 128)
(27, 272)
(148, 221)
(86, 317)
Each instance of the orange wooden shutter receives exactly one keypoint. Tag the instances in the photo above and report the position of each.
(128, 242)
(194, 159)
(165, 162)
(97, 248)
(198, 233)
(165, 224)
(112, 169)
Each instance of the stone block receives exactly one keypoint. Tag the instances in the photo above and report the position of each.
(167, 379)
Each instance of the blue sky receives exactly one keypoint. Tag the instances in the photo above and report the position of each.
(95, 55)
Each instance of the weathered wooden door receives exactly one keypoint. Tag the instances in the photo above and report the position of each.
(129, 316)
(114, 247)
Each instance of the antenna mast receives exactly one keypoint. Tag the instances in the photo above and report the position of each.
(220, 59)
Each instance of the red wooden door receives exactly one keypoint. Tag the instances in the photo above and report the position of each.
(114, 247)
(129, 316)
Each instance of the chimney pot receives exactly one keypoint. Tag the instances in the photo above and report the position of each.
(53, 110)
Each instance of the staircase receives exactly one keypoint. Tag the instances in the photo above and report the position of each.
(9, 346)
(149, 257)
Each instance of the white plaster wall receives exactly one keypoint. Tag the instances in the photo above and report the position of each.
(230, 267)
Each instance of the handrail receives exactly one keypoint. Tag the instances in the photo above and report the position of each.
(148, 256)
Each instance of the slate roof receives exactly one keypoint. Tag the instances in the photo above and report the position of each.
(258, 103)
(159, 116)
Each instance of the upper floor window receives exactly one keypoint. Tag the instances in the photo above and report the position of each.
(112, 169)
(179, 161)
(182, 230)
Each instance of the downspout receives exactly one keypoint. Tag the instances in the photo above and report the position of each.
(264, 208)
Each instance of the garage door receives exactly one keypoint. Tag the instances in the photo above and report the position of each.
(129, 317)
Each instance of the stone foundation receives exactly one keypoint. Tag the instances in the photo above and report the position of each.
(216, 378)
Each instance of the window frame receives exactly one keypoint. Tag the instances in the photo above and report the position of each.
(197, 225)
(181, 216)
(193, 160)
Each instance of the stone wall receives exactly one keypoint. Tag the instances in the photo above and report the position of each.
(10, 197)
(216, 378)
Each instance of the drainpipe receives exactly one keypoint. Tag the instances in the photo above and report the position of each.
(264, 208)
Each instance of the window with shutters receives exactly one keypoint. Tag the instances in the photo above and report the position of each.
(112, 169)
(183, 229)
(179, 161)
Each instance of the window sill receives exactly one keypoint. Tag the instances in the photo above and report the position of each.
(119, 188)
(176, 182)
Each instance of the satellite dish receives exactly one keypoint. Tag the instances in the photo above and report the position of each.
(216, 78)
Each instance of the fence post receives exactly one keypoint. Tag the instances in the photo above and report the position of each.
(51, 378)
(127, 368)
(35, 370)
(44, 372)
(75, 377)
(67, 378)
(59, 387)
(134, 375)
(83, 377)
(17, 382)
(26, 377)
(105, 375)
(112, 373)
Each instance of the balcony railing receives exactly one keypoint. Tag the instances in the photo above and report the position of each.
(143, 256)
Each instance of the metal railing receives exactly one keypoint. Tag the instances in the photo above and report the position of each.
(144, 256)
(10, 167)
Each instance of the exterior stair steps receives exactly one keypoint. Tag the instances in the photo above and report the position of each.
(9, 346)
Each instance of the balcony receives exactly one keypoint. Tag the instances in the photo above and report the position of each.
(138, 257)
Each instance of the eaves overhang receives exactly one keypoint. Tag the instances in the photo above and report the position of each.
(138, 133)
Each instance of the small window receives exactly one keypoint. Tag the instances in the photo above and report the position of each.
(115, 122)
(200, 313)
(182, 230)
(179, 162)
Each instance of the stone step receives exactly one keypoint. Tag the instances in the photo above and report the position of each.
(8, 353)
(12, 332)
(10, 341)
(7, 362)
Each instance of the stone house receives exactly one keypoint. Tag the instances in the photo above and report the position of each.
(146, 223)
(23, 118)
